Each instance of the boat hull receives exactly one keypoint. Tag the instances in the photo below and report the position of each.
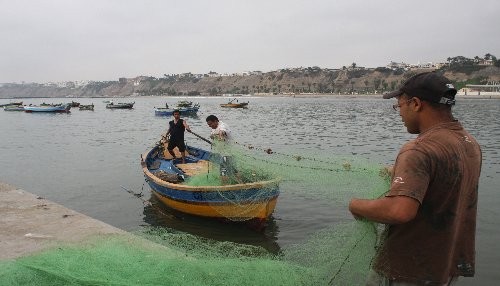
(234, 105)
(239, 211)
(169, 111)
(120, 105)
(59, 108)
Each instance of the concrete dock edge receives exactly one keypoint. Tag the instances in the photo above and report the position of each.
(29, 223)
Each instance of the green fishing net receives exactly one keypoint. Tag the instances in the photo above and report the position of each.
(338, 254)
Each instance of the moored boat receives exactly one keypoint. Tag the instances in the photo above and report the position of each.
(235, 105)
(184, 103)
(170, 182)
(14, 108)
(232, 104)
(64, 108)
(161, 111)
(11, 104)
(86, 107)
(120, 105)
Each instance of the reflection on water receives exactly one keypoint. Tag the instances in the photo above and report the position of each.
(83, 159)
(252, 233)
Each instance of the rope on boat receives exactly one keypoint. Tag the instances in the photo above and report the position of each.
(138, 195)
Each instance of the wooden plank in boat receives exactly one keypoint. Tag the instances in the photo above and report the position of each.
(193, 169)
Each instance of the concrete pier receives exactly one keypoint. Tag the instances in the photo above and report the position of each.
(29, 223)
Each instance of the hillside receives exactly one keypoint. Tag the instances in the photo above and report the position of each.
(286, 81)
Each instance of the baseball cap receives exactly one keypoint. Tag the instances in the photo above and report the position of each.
(429, 86)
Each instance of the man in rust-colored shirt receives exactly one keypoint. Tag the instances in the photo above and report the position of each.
(430, 209)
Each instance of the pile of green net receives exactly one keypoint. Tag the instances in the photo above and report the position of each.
(339, 254)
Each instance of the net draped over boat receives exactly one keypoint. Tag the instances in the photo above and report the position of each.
(339, 254)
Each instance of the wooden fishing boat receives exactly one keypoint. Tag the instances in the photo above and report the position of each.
(120, 105)
(75, 104)
(86, 107)
(169, 182)
(232, 104)
(64, 108)
(235, 105)
(160, 111)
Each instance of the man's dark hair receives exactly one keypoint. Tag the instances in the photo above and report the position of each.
(176, 111)
(212, 118)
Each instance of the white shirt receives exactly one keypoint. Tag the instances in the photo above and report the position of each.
(222, 127)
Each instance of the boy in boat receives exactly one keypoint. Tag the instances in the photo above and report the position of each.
(176, 130)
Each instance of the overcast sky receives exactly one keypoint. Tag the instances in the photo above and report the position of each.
(68, 40)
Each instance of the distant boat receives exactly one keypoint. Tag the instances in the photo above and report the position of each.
(48, 108)
(86, 107)
(11, 103)
(75, 104)
(231, 104)
(184, 103)
(161, 111)
(52, 104)
(14, 108)
(120, 105)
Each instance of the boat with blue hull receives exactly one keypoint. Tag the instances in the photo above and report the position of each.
(161, 111)
(64, 108)
(238, 202)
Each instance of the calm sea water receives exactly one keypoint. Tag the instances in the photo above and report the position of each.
(84, 160)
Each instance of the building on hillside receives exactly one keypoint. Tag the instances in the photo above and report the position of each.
(396, 66)
(483, 62)
(492, 88)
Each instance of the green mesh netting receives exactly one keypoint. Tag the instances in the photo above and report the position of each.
(339, 254)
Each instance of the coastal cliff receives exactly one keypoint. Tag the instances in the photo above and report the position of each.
(311, 80)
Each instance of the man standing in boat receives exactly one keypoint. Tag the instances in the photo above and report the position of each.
(221, 132)
(176, 130)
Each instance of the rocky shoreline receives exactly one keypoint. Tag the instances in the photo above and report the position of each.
(305, 82)
(484, 95)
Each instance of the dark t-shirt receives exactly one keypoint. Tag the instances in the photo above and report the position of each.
(440, 169)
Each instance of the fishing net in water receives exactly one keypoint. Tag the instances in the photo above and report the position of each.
(333, 179)
(339, 253)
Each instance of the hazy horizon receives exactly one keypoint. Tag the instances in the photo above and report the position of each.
(56, 40)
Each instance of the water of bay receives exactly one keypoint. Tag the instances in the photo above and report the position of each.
(86, 159)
